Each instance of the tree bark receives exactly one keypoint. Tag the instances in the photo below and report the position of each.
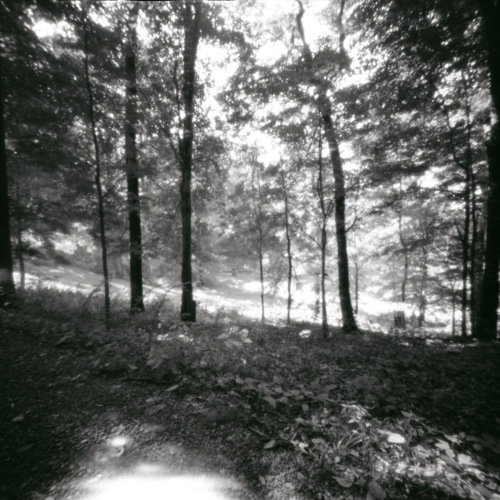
(326, 212)
(133, 196)
(406, 255)
(192, 13)
(488, 310)
(288, 252)
(97, 177)
(6, 266)
(19, 243)
(348, 320)
(261, 273)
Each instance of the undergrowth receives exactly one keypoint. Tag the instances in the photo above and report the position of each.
(358, 416)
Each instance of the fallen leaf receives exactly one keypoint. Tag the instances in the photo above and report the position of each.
(270, 400)
(376, 490)
(465, 460)
(345, 482)
(25, 448)
(19, 418)
(269, 445)
(453, 438)
(172, 388)
(396, 438)
(442, 445)
(450, 461)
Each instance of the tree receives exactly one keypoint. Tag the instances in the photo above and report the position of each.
(133, 197)
(191, 18)
(487, 320)
(437, 66)
(97, 167)
(288, 245)
(325, 110)
(6, 267)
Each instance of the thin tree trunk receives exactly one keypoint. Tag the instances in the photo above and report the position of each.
(453, 310)
(356, 285)
(192, 13)
(348, 320)
(19, 243)
(406, 256)
(473, 258)
(325, 214)
(465, 254)
(257, 202)
(261, 270)
(423, 289)
(488, 313)
(324, 317)
(97, 180)
(133, 197)
(7, 288)
(288, 252)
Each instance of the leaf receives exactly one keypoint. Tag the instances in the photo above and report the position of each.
(345, 482)
(450, 461)
(269, 445)
(407, 414)
(465, 460)
(452, 438)
(396, 438)
(376, 490)
(270, 400)
(25, 448)
(172, 388)
(442, 445)
(19, 418)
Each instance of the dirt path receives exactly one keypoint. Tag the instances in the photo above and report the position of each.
(69, 434)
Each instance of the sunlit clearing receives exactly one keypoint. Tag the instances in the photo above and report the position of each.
(149, 468)
(44, 29)
(156, 488)
(119, 441)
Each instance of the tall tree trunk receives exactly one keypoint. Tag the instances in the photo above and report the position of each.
(473, 257)
(288, 251)
(192, 13)
(19, 243)
(348, 321)
(406, 256)
(6, 267)
(488, 313)
(261, 272)
(453, 311)
(465, 253)
(326, 211)
(422, 303)
(324, 316)
(133, 197)
(356, 286)
(97, 177)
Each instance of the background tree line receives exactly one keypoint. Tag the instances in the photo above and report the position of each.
(351, 146)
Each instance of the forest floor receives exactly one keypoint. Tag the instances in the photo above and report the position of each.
(231, 409)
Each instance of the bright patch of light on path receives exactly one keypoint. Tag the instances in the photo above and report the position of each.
(186, 487)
